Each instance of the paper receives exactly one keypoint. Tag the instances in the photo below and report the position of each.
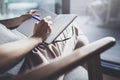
(60, 23)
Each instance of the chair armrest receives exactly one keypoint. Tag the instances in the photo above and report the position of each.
(64, 64)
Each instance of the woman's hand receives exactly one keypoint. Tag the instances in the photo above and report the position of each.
(29, 15)
(42, 29)
(15, 22)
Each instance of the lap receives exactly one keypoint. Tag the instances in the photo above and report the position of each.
(56, 49)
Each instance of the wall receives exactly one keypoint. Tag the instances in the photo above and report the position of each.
(79, 6)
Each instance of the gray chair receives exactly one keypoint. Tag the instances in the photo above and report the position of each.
(89, 54)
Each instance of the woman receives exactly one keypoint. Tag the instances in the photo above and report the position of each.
(13, 51)
(33, 48)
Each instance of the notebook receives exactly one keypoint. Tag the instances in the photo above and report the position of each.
(60, 23)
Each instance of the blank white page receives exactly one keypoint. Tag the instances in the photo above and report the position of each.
(60, 23)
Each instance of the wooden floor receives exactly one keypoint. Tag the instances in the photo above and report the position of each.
(107, 77)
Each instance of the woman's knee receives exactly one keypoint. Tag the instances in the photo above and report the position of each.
(81, 41)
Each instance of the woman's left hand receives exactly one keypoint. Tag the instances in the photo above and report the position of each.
(29, 15)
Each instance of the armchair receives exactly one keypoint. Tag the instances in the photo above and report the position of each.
(89, 54)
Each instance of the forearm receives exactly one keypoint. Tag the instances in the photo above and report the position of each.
(12, 23)
(11, 53)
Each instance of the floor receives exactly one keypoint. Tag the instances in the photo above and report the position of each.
(106, 77)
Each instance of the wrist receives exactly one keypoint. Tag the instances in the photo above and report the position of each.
(22, 18)
(37, 39)
(25, 17)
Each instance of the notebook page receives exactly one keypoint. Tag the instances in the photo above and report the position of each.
(59, 24)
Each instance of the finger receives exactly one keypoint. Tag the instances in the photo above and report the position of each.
(47, 24)
(50, 22)
(50, 25)
(50, 29)
(32, 11)
(36, 14)
(35, 28)
(48, 18)
(42, 22)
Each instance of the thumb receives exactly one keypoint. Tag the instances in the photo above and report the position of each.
(35, 28)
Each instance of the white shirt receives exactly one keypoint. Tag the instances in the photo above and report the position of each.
(6, 36)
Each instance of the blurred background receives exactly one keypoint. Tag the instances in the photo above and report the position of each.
(11, 8)
(106, 11)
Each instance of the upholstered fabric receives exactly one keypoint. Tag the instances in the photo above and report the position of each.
(6, 36)
(78, 73)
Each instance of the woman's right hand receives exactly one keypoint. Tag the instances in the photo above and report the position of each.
(42, 29)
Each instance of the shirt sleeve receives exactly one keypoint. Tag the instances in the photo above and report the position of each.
(7, 35)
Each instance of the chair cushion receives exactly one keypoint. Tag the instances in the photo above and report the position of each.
(78, 73)
(6, 35)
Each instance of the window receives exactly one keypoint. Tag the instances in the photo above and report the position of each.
(12, 8)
